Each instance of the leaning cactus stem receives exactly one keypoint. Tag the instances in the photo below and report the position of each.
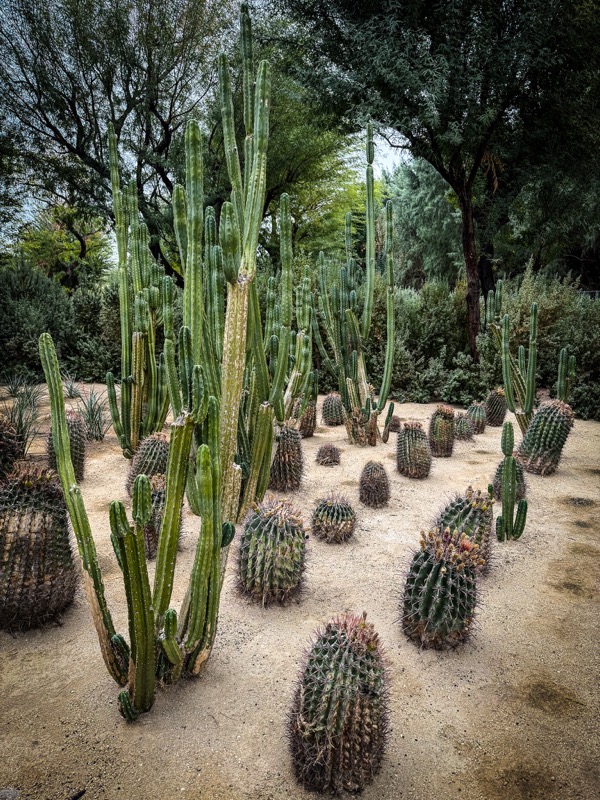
(507, 526)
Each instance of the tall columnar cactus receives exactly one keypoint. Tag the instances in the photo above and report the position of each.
(542, 446)
(441, 432)
(413, 454)
(272, 552)
(495, 407)
(507, 526)
(333, 519)
(10, 447)
(288, 462)
(472, 514)
(566, 375)
(440, 594)
(37, 572)
(150, 458)
(374, 485)
(77, 438)
(339, 312)
(463, 428)
(477, 414)
(333, 410)
(158, 496)
(337, 727)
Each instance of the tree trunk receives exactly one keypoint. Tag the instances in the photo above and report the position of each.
(471, 264)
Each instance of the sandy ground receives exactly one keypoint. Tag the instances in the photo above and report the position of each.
(512, 714)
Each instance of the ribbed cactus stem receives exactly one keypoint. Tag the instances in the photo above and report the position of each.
(507, 526)
(370, 238)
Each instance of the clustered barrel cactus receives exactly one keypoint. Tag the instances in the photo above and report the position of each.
(495, 407)
(374, 485)
(477, 415)
(333, 410)
(441, 432)
(413, 454)
(333, 519)
(542, 446)
(507, 526)
(77, 437)
(150, 458)
(288, 462)
(328, 455)
(470, 513)
(337, 726)
(37, 572)
(272, 552)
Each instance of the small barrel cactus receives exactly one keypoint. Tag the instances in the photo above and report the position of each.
(337, 727)
(158, 493)
(476, 413)
(463, 428)
(521, 486)
(328, 455)
(374, 486)
(77, 438)
(471, 513)
(37, 573)
(495, 407)
(543, 443)
(307, 422)
(288, 462)
(395, 424)
(10, 447)
(440, 594)
(333, 519)
(272, 552)
(150, 458)
(333, 411)
(413, 454)
(441, 432)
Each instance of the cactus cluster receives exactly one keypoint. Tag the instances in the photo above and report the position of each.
(441, 432)
(440, 594)
(542, 446)
(10, 447)
(413, 454)
(77, 438)
(463, 428)
(477, 415)
(333, 519)
(150, 458)
(470, 513)
(337, 726)
(374, 485)
(272, 552)
(328, 455)
(37, 572)
(495, 407)
(333, 410)
(288, 461)
(507, 525)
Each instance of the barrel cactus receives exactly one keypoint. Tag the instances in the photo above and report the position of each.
(333, 410)
(307, 421)
(440, 594)
(333, 519)
(476, 413)
(543, 443)
(441, 432)
(374, 485)
(463, 428)
(77, 438)
(413, 454)
(272, 552)
(471, 513)
(150, 458)
(521, 485)
(288, 462)
(37, 573)
(328, 455)
(495, 407)
(395, 424)
(337, 727)
(10, 447)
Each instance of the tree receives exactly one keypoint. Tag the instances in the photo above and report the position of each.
(453, 79)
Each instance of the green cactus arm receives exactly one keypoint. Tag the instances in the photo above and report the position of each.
(193, 310)
(138, 341)
(114, 412)
(180, 223)
(531, 361)
(229, 239)
(508, 439)
(506, 365)
(168, 638)
(520, 520)
(276, 394)
(261, 443)
(370, 239)
(389, 345)
(230, 144)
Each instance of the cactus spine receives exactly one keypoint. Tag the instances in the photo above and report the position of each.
(413, 454)
(542, 446)
(507, 526)
(441, 432)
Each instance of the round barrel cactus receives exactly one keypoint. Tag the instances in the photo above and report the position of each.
(471, 513)
(150, 458)
(328, 455)
(288, 462)
(272, 552)
(374, 485)
(10, 447)
(333, 519)
(543, 443)
(495, 407)
(333, 411)
(307, 422)
(440, 594)
(441, 432)
(463, 428)
(37, 572)
(413, 454)
(521, 486)
(77, 438)
(476, 413)
(395, 424)
(337, 727)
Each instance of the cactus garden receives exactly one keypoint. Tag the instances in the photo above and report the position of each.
(255, 542)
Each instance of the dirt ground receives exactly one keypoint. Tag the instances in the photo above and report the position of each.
(513, 714)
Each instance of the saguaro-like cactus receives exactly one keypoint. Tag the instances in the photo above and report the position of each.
(441, 432)
(495, 407)
(338, 723)
(333, 519)
(477, 414)
(470, 513)
(507, 526)
(542, 446)
(77, 437)
(374, 485)
(413, 454)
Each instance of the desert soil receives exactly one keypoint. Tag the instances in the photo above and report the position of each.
(511, 714)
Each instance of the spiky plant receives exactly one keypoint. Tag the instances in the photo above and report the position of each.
(77, 436)
(543, 443)
(463, 428)
(37, 573)
(509, 526)
(495, 407)
(10, 447)
(333, 519)
(272, 552)
(521, 485)
(395, 424)
(441, 432)
(307, 422)
(328, 455)
(333, 414)
(476, 413)
(413, 454)
(158, 494)
(150, 458)
(337, 727)
(288, 462)
(471, 513)
(440, 594)
(374, 485)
